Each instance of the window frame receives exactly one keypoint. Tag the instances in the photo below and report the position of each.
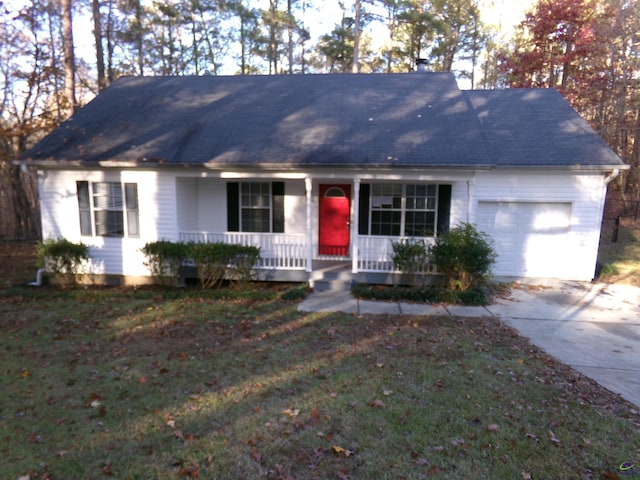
(250, 207)
(93, 203)
(402, 205)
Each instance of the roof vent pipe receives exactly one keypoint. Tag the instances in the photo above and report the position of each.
(421, 65)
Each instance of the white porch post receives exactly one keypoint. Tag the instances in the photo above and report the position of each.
(355, 250)
(308, 183)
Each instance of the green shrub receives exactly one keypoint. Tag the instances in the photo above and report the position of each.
(464, 256)
(411, 257)
(164, 259)
(294, 293)
(473, 296)
(215, 261)
(62, 258)
(430, 294)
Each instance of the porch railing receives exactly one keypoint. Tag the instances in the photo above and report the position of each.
(375, 253)
(289, 251)
(277, 251)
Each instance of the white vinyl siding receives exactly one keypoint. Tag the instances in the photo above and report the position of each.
(175, 201)
(109, 255)
(546, 225)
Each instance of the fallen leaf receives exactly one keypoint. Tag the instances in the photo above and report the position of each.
(433, 471)
(553, 438)
(377, 404)
(493, 427)
(422, 462)
(191, 472)
(289, 412)
(315, 416)
(386, 393)
(343, 452)
(532, 436)
(337, 449)
(609, 475)
(106, 469)
(256, 456)
(457, 442)
(526, 475)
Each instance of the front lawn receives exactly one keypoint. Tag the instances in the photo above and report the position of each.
(157, 384)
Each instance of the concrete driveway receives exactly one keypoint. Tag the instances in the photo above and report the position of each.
(593, 327)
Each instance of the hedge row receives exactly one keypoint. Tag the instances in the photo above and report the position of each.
(215, 262)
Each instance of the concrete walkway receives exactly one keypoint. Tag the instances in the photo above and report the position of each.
(593, 327)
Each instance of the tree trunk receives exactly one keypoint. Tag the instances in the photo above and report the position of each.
(356, 38)
(97, 34)
(139, 35)
(290, 35)
(69, 58)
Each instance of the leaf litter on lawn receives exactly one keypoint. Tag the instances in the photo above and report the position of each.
(130, 384)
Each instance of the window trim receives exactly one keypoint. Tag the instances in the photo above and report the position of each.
(403, 209)
(129, 208)
(253, 208)
(276, 206)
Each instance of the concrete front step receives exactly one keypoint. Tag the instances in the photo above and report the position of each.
(332, 277)
(331, 285)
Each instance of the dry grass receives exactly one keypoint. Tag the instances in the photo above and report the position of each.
(621, 260)
(140, 384)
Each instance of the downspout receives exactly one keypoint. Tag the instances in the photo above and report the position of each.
(38, 282)
(612, 176)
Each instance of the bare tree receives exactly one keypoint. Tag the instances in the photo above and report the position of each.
(69, 56)
(97, 34)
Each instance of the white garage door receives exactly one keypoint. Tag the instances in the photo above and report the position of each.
(531, 238)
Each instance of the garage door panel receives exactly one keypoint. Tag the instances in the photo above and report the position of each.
(530, 238)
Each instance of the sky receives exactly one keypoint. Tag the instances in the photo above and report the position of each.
(502, 14)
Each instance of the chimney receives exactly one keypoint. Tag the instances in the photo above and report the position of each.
(421, 65)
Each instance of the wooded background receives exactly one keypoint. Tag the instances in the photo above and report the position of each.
(588, 49)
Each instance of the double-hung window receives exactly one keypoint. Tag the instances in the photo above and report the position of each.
(409, 210)
(108, 209)
(255, 207)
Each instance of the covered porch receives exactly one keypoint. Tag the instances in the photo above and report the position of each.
(312, 223)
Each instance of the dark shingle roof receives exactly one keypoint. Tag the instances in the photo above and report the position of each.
(411, 120)
(537, 127)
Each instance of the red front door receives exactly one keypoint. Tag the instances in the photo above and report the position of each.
(334, 221)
